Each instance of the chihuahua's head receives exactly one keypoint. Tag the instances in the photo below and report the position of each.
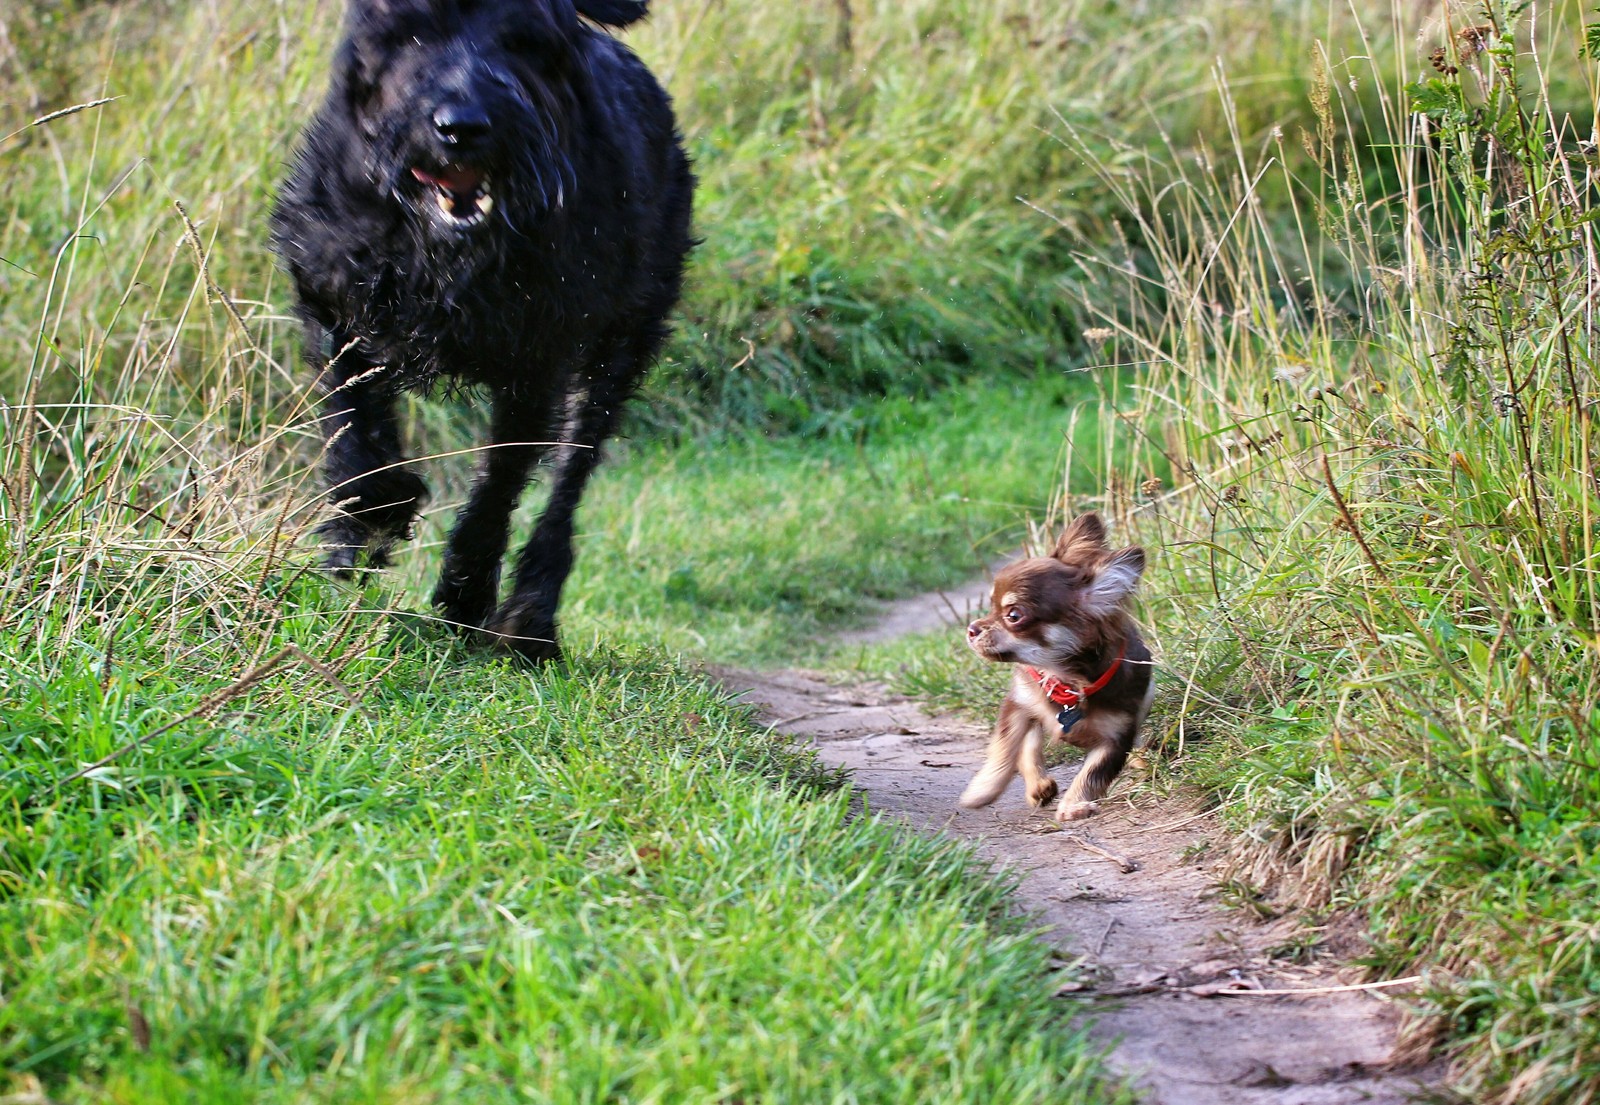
(1049, 609)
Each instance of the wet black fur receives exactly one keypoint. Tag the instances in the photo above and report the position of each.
(554, 306)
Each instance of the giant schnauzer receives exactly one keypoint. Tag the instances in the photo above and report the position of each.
(494, 193)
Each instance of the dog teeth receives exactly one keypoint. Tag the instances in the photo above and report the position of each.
(465, 210)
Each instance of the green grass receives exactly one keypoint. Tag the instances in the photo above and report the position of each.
(469, 881)
(398, 869)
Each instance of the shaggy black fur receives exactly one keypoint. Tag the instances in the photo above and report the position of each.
(493, 193)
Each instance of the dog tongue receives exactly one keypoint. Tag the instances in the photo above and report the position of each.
(460, 181)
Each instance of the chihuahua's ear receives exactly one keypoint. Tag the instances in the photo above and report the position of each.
(1083, 539)
(1114, 581)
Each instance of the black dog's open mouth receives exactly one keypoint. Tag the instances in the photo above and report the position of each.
(462, 195)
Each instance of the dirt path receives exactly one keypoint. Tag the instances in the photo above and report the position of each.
(1155, 938)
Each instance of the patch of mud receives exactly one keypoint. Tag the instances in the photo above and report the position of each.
(1131, 892)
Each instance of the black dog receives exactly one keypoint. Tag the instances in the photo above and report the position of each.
(494, 192)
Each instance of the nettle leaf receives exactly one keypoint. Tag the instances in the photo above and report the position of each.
(1591, 41)
(1458, 365)
(1437, 99)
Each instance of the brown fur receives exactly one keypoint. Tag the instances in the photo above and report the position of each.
(1064, 614)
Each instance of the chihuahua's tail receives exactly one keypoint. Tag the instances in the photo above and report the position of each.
(1000, 764)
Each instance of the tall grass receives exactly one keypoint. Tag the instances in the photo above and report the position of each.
(896, 152)
(1377, 508)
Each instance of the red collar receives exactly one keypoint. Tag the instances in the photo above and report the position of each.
(1063, 695)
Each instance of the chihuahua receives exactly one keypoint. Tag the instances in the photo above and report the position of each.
(1083, 672)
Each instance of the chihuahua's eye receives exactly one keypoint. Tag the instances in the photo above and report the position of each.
(1015, 614)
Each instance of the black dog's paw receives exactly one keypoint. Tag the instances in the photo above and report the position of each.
(529, 633)
(465, 603)
(347, 548)
(379, 514)
(339, 561)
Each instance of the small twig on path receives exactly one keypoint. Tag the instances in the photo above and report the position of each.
(1212, 990)
(1121, 991)
(1316, 990)
(1104, 936)
(1127, 865)
(785, 722)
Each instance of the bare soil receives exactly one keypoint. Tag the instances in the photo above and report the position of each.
(1172, 976)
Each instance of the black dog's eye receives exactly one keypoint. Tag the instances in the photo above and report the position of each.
(530, 36)
(374, 52)
(1015, 614)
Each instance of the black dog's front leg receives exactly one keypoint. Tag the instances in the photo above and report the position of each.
(469, 583)
(527, 621)
(375, 498)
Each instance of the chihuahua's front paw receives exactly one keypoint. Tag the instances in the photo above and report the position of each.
(1043, 791)
(1076, 811)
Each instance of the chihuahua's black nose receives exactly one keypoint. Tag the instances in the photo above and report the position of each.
(974, 629)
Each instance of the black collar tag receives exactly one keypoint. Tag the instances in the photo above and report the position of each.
(1068, 717)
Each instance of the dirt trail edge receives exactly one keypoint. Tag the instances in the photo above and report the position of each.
(1131, 891)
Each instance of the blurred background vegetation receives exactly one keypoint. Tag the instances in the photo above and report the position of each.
(1302, 294)
(887, 201)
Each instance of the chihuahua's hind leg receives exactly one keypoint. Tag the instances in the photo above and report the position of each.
(1000, 763)
(1106, 758)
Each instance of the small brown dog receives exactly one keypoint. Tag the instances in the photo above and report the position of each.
(1083, 672)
